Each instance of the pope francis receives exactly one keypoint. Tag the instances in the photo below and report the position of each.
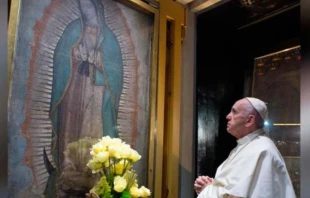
(255, 168)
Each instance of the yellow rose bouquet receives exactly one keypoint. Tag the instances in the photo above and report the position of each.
(113, 159)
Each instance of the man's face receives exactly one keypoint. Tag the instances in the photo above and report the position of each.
(237, 119)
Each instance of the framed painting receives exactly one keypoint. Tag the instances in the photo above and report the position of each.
(82, 69)
(277, 82)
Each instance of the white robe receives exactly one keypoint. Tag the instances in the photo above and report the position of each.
(254, 169)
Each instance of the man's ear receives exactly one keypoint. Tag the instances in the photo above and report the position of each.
(250, 121)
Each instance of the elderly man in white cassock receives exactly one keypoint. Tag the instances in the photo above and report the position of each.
(255, 168)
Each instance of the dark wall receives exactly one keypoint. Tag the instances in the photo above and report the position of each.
(225, 57)
(277, 33)
(217, 86)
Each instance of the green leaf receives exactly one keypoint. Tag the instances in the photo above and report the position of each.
(125, 194)
(110, 178)
(102, 189)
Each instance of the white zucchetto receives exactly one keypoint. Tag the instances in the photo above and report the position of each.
(260, 107)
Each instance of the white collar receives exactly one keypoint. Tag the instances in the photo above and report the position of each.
(251, 136)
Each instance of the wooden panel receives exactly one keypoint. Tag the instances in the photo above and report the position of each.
(173, 11)
(14, 5)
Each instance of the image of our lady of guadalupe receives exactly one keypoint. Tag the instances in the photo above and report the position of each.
(87, 84)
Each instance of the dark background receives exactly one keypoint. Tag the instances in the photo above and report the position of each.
(9, 8)
(228, 40)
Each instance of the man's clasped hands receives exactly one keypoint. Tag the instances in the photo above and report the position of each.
(201, 182)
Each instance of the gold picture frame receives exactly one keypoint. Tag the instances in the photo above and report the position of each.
(135, 4)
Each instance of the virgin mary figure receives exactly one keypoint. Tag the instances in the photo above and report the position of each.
(87, 84)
